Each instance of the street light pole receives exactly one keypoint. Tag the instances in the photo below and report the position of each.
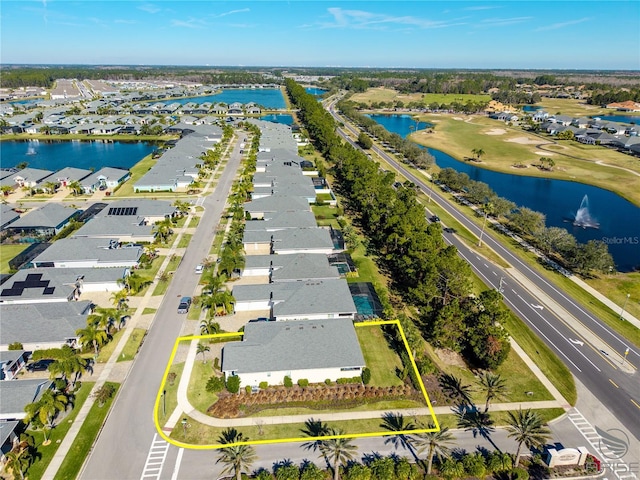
(624, 306)
(184, 426)
(164, 403)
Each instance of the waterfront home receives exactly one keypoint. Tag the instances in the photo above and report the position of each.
(106, 177)
(31, 177)
(314, 350)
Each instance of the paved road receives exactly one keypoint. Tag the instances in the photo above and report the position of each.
(591, 350)
(122, 447)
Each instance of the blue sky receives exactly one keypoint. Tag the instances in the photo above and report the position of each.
(426, 34)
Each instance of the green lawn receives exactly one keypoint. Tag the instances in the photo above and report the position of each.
(193, 223)
(149, 310)
(199, 398)
(504, 146)
(325, 215)
(36, 470)
(106, 350)
(379, 358)
(133, 345)
(137, 171)
(7, 253)
(83, 442)
(170, 402)
(184, 240)
(161, 288)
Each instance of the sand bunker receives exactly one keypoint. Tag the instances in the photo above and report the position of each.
(457, 118)
(540, 152)
(524, 140)
(496, 131)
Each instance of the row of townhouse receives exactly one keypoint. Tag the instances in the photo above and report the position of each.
(38, 179)
(44, 305)
(291, 279)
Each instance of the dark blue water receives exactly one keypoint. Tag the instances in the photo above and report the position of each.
(55, 155)
(268, 97)
(283, 118)
(559, 200)
(621, 118)
(530, 108)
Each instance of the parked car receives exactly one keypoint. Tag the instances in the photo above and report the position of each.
(184, 305)
(199, 268)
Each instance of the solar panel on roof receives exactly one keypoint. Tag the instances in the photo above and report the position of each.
(123, 211)
(49, 290)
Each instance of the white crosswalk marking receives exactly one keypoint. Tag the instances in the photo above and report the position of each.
(620, 469)
(155, 459)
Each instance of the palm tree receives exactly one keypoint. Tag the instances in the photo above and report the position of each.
(75, 187)
(338, 450)
(454, 388)
(315, 429)
(119, 299)
(479, 423)
(104, 318)
(18, 461)
(50, 187)
(45, 410)
(527, 428)
(477, 152)
(6, 190)
(182, 207)
(499, 462)
(435, 443)
(69, 364)
(237, 458)
(395, 422)
(92, 335)
(451, 469)
(202, 348)
(209, 327)
(494, 387)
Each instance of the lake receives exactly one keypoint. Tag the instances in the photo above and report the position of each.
(283, 118)
(55, 155)
(559, 200)
(315, 91)
(270, 98)
(620, 118)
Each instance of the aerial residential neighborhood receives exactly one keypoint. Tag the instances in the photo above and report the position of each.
(300, 240)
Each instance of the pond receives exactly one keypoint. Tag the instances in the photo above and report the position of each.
(58, 154)
(271, 98)
(559, 200)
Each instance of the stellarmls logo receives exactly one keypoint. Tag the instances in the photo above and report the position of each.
(614, 443)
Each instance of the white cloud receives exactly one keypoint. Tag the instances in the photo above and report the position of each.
(190, 23)
(361, 19)
(231, 12)
(556, 26)
(502, 22)
(149, 8)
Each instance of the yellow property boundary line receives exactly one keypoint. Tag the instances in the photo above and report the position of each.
(293, 439)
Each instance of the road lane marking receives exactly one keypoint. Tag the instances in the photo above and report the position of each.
(155, 458)
(176, 469)
(614, 383)
(634, 402)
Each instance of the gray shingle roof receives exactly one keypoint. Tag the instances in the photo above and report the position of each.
(78, 249)
(295, 345)
(301, 298)
(42, 322)
(50, 215)
(277, 203)
(282, 220)
(16, 394)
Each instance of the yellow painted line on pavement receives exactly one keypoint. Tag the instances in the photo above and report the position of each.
(180, 444)
(614, 383)
(634, 402)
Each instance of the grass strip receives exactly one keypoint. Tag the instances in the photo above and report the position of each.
(133, 344)
(84, 440)
(184, 240)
